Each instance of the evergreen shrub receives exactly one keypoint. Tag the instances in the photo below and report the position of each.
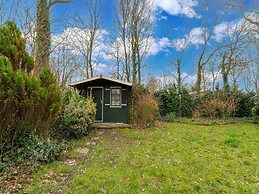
(78, 116)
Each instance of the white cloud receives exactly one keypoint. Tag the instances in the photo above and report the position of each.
(188, 79)
(225, 29)
(195, 37)
(102, 68)
(158, 45)
(221, 31)
(154, 47)
(178, 7)
(76, 39)
(163, 18)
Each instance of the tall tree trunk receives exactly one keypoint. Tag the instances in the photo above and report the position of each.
(139, 64)
(224, 73)
(134, 66)
(179, 86)
(90, 59)
(199, 77)
(86, 67)
(43, 34)
(43, 38)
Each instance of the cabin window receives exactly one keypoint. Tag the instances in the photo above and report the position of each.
(107, 97)
(115, 97)
(124, 97)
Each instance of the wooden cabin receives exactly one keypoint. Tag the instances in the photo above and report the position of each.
(112, 97)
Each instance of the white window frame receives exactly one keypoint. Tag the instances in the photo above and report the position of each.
(115, 87)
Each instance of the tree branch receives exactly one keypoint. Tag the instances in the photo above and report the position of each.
(51, 3)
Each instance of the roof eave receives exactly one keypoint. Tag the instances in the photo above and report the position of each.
(101, 77)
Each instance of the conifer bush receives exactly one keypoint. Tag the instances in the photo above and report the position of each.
(255, 109)
(171, 102)
(28, 105)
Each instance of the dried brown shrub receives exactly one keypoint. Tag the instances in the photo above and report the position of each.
(144, 109)
(213, 107)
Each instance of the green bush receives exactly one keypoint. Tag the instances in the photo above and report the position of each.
(28, 105)
(78, 116)
(32, 150)
(171, 101)
(255, 109)
(38, 149)
(13, 47)
(244, 101)
(170, 117)
(184, 105)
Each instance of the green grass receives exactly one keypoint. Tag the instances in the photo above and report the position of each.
(172, 158)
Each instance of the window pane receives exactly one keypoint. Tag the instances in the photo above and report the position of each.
(124, 96)
(115, 97)
(107, 96)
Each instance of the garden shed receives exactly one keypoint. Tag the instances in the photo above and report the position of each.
(112, 97)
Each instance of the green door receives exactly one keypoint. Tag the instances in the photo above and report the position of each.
(97, 94)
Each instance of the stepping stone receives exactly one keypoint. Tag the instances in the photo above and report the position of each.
(70, 162)
(91, 143)
(83, 151)
(95, 138)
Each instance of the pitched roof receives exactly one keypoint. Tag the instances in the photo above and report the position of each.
(101, 77)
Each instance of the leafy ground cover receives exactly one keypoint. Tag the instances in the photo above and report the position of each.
(172, 157)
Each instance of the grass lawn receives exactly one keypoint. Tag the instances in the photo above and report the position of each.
(167, 159)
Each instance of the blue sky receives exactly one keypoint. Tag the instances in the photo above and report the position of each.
(171, 24)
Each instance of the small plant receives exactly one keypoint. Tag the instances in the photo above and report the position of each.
(39, 149)
(234, 143)
(170, 116)
(255, 109)
(32, 151)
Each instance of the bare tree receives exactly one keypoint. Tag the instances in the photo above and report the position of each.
(134, 25)
(26, 20)
(8, 10)
(3, 10)
(250, 15)
(64, 64)
(122, 26)
(87, 34)
(251, 72)
(178, 61)
(43, 33)
(232, 54)
(152, 84)
(116, 56)
(204, 56)
(251, 77)
(178, 65)
(214, 72)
